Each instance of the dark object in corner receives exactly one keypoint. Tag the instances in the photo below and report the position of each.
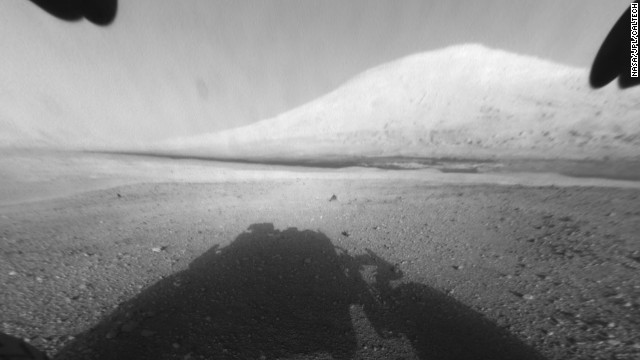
(614, 57)
(99, 12)
(12, 348)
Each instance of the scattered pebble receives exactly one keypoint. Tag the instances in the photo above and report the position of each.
(346, 233)
(333, 198)
(528, 297)
(159, 249)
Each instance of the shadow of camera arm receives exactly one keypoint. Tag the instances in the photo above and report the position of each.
(385, 272)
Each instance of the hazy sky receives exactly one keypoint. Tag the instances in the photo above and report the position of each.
(302, 49)
(232, 62)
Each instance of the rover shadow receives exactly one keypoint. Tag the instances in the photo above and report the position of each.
(287, 294)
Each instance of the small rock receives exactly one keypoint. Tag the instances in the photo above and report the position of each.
(458, 267)
(516, 293)
(159, 249)
(112, 334)
(333, 198)
(175, 345)
(614, 342)
(147, 333)
(346, 233)
(12, 273)
(527, 297)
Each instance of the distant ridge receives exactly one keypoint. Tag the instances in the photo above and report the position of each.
(465, 101)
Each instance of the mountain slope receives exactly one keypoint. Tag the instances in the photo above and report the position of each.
(463, 101)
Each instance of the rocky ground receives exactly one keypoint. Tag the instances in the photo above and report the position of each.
(314, 265)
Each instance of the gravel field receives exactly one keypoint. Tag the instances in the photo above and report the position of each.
(270, 263)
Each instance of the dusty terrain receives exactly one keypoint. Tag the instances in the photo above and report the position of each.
(107, 257)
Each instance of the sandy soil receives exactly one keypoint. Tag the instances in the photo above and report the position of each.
(107, 257)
